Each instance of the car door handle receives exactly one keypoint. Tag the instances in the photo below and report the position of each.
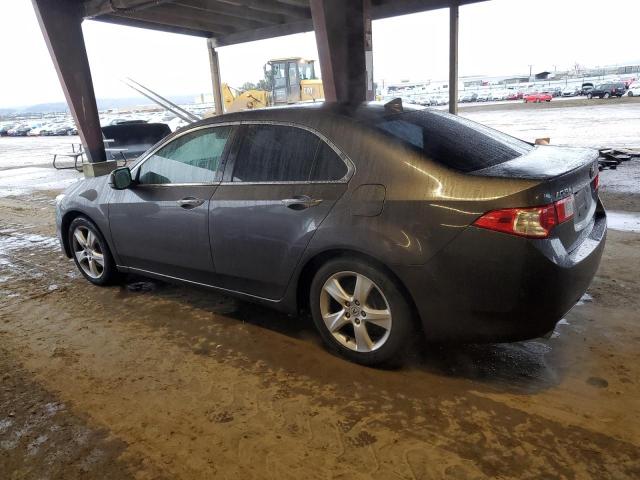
(300, 202)
(190, 202)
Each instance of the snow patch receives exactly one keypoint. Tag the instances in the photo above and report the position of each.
(21, 181)
(624, 221)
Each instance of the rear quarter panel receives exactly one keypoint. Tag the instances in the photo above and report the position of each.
(425, 205)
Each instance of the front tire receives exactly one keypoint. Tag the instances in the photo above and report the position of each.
(360, 312)
(589, 96)
(91, 253)
(607, 95)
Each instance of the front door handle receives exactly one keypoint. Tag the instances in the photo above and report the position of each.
(190, 202)
(300, 202)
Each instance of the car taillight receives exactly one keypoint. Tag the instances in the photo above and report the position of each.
(565, 208)
(535, 222)
(596, 182)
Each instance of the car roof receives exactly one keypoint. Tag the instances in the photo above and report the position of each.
(366, 112)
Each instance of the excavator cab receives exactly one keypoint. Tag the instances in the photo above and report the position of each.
(293, 80)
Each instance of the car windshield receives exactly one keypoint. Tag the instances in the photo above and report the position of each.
(452, 141)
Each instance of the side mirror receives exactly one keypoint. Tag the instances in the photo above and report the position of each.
(120, 178)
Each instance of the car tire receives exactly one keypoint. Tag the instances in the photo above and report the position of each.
(88, 249)
(607, 95)
(355, 334)
(630, 94)
(589, 96)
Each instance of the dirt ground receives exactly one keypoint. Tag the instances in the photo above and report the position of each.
(149, 380)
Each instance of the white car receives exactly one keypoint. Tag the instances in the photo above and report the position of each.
(634, 89)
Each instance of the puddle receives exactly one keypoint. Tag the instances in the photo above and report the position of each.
(624, 221)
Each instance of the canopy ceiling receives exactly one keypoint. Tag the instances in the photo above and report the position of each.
(235, 21)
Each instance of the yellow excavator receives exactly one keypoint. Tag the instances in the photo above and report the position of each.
(292, 80)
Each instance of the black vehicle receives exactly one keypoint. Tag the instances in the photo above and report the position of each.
(19, 131)
(586, 88)
(607, 90)
(4, 129)
(377, 219)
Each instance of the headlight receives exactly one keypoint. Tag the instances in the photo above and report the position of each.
(59, 198)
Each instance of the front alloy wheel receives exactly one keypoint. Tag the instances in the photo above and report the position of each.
(88, 252)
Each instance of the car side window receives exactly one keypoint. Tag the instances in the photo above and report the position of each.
(275, 153)
(328, 166)
(191, 158)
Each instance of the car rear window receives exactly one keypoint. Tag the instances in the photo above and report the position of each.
(452, 141)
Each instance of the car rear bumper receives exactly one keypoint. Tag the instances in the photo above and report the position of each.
(488, 286)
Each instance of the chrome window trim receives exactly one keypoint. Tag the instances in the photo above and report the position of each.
(136, 167)
(351, 168)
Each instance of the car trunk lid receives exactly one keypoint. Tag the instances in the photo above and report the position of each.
(562, 172)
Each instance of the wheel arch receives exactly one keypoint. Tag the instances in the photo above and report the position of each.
(65, 223)
(313, 264)
(67, 218)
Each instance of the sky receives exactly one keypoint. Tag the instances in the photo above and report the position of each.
(498, 37)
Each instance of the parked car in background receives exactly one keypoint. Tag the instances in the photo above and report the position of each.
(555, 91)
(586, 88)
(41, 131)
(19, 131)
(376, 219)
(634, 89)
(608, 90)
(570, 91)
(468, 97)
(515, 95)
(4, 129)
(538, 97)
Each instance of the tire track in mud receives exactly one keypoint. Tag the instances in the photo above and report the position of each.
(192, 392)
(195, 415)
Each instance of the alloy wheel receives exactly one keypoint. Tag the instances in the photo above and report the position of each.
(88, 253)
(355, 311)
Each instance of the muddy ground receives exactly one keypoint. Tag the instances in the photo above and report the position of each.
(149, 380)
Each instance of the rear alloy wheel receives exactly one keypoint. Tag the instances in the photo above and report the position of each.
(90, 252)
(359, 311)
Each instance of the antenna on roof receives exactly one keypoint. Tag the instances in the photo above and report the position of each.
(394, 106)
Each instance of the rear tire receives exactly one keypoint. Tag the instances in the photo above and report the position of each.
(91, 253)
(607, 95)
(589, 96)
(360, 312)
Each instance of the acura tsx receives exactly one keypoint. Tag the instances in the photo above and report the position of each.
(377, 219)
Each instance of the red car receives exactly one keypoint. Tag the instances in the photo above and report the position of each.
(538, 97)
(515, 96)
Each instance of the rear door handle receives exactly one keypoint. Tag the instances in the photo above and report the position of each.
(300, 202)
(190, 202)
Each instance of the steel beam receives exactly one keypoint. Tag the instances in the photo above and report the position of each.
(340, 36)
(215, 76)
(61, 25)
(453, 58)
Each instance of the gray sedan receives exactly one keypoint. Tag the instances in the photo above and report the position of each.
(377, 219)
